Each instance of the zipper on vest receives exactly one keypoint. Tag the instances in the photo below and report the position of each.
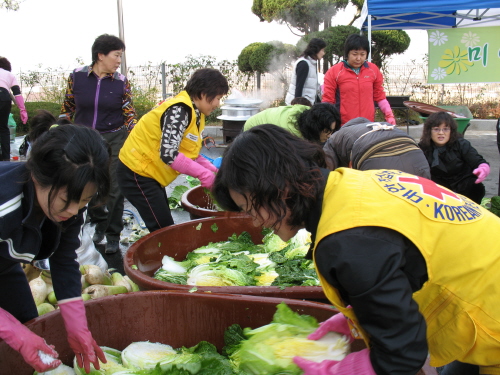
(96, 101)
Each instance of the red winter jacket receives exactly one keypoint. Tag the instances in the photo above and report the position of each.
(354, 94)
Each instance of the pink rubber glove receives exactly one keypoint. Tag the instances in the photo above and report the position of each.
(22, 108)
(205, 163)
(482, 171)
(337, 323)
(21, 339)
(187, 166)
(79, 337)
(357, 363)
(385, 107)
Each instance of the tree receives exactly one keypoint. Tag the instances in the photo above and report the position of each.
(10, 4)
(384, 44)
(334, 38)
(304, 15)
(272, 57)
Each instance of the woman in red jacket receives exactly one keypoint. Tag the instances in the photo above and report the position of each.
(354, 84)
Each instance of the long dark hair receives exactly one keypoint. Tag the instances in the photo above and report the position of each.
(315, 45)
(433, 121)
(70, 156)
(276, 171)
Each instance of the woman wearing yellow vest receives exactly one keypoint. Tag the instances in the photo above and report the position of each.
(167, 142)
(412, 266)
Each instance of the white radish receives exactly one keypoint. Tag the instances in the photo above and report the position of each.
(38, 290)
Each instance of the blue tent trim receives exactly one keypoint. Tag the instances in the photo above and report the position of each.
(428, 14)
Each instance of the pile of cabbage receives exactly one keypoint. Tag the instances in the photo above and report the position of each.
(265, 350)
(148, 358)
(240, 262)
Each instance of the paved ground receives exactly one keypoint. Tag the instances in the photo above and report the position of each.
(483, 138)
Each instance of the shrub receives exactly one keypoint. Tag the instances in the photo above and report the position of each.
(244, 64)
(31, 108)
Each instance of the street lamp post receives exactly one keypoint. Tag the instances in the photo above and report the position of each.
(122, 36)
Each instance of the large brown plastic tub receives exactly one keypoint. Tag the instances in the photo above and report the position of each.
(174, 318)
(200, 204)
(176, 241)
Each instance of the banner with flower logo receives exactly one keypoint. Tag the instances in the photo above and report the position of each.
(464, 55)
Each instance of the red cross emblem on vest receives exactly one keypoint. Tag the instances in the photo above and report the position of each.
(429, 187)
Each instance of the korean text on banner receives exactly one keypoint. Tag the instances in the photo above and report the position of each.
(464, 55)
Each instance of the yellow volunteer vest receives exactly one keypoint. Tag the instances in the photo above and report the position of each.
(460, 242)
(141, 150)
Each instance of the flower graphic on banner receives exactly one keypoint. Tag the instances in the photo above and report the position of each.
(455, 61)
(470, 39)
(437, 38)
(438, 74)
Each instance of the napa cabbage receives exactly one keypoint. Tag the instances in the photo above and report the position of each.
(113, 363)
(270, 349)
(59, 370)
(240, 262)
(172, 271)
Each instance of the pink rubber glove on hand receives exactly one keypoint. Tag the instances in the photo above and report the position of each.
(187, 166)
(22, 108)
(21, 339)
(79, 337)
(482, 171)
(206, 164)
(385, 107)
(337, 323)
(357, 363)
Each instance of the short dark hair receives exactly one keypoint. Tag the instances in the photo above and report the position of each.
(104, 44)
(70, 156)
(433, 121)
(207, 81)
(5, 64)
(356, 42)
(313, 47)
(313, 121)
(301, 100)
(275, 169)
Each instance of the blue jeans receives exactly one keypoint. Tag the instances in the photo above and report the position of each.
(458, 368)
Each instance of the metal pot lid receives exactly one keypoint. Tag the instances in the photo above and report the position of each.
(233, 118)
(233, 108)
(242, 102)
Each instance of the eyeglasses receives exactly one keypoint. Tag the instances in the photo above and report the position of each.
(437, 130)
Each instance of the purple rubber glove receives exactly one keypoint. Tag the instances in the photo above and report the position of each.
(183, 164)
(337, 323)
(29, 345)
(357, 363)
(79, 337)
(385, 107)
(201, 160)
(22, 108)
(482, 171)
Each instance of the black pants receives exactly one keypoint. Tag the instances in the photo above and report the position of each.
(15, 293)
(5, 108)
(147, 196)
(458, 368)
(109, 218)
(475, 192)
